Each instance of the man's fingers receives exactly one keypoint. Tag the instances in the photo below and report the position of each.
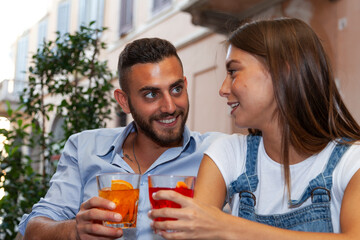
(91, 216)
(96, 215)
(100, 230)
(98, 202)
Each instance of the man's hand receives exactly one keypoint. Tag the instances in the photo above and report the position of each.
(87, 225)
(89, 220)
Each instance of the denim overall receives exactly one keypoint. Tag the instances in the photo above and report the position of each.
(313, 218)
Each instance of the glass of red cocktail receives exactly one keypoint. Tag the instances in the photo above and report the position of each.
(181, 184)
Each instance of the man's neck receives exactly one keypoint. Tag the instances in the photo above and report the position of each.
(142, 150)
(149, 147)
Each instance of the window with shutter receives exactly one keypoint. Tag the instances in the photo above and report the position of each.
(21, 63)
(126, 16)
(91, 10)
(63, 17)
(159, 5)
(42, 32)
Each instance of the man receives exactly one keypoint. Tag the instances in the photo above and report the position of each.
(154, 91)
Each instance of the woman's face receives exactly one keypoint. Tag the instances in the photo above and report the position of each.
(249, 90)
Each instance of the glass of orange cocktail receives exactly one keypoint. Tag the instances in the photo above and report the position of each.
(181, 184)
(123, 190)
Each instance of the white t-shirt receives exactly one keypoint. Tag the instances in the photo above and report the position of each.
(229, 154)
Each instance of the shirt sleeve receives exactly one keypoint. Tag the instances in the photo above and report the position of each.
(63, 199)
(229, 154)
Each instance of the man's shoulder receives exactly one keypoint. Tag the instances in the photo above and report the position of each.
(106, 132)
(100, 140)
(101, 134)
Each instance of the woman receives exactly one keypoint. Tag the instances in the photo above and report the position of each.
(298, 169)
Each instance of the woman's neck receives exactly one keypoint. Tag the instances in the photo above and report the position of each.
(273, 148)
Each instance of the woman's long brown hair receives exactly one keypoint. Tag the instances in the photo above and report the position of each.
(309, 106)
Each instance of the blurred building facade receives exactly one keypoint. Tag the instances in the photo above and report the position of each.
(197, 28)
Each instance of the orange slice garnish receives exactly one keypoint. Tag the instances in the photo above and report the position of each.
(181, 184)
(120, 185)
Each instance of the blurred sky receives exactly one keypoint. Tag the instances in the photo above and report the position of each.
(15, 17)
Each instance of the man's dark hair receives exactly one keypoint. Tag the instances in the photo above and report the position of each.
(145, 50)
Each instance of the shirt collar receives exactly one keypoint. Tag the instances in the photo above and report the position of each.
(116, 145)
(187, 138)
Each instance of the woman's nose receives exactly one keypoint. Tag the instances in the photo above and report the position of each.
(225, 88)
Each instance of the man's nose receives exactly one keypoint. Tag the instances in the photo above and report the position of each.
(168, 104)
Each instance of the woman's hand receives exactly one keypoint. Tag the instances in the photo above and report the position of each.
(194, 220)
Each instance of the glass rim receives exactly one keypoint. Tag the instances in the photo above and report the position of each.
(117, 173)
(172, 176)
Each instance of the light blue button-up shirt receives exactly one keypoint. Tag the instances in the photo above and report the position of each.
(91, 152)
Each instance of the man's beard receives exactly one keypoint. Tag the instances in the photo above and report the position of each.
(170, 137)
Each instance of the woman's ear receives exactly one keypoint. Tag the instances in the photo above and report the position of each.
(122, 98)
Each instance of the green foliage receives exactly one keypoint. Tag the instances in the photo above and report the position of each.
(59, 68)
(23, 186)
(68, 69)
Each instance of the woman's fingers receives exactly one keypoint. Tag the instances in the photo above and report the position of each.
(193, 221)
(172, 196)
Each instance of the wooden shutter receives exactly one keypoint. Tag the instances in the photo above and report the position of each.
(63, 17)
(159, 5)
(91, 10)
(126, 16)
(21, 63)
(42, 32)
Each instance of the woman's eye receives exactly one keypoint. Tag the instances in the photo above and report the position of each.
(231, 72)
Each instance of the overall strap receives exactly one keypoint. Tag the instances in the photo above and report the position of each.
(319, 188)
(247, 182)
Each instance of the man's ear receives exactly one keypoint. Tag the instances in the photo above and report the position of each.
(122, 98)
(185, 82)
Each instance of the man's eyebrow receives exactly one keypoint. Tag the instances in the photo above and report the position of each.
(148, 88)
(153, 89)
(178, 82)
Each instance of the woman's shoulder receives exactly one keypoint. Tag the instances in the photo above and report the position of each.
(348, 165)
(233, 138)
(352, 155)
(229, 144)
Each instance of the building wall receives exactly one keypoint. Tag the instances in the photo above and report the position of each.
(203, 54)
(348, 53)
(336, 22)
(204, 69)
